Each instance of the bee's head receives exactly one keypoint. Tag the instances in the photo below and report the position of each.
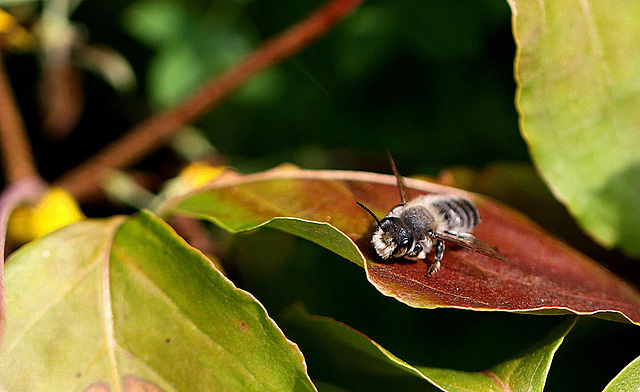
(392, 238)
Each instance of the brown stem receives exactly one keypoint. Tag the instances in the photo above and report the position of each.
(84, 180)
(17, 157)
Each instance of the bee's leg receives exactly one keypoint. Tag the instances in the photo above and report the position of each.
(436, 260)
(426, 246)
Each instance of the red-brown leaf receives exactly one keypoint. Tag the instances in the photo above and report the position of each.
(543, 275)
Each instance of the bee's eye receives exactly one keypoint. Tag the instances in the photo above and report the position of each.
(405, 242)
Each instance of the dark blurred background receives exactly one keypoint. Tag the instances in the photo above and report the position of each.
(430, 80)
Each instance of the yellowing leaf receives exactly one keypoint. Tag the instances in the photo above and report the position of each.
(56, 209)
(20, 227)
(16, 35)
(198, 174)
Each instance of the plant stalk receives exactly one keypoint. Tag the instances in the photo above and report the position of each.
(84, 180)
(17, 157)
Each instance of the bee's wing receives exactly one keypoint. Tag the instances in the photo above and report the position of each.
(470, 242)
(404, 192)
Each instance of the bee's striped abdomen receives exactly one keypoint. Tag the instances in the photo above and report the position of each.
(457, 214)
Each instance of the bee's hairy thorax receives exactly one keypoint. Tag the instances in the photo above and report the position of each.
(445, 213)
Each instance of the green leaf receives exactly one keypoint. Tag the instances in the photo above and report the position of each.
(127, 303)
(543, 275)
(578, 100)
(365, 365)
(627, 380)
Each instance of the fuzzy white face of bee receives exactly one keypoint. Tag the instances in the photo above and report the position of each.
(390, 242)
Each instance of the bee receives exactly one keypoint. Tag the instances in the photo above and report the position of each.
(414, 228)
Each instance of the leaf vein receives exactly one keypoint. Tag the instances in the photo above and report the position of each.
(132, 265)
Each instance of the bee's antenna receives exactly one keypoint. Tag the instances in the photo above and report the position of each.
(404, 192)
(369, 211)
